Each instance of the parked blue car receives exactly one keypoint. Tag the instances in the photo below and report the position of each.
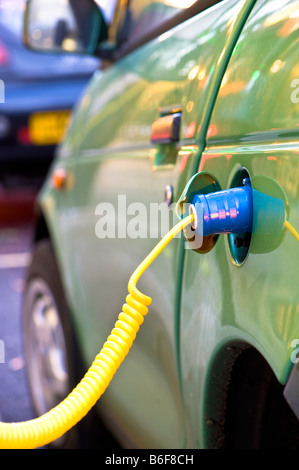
(37, 94)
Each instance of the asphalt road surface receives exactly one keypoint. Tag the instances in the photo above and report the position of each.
(15, 399)
(15, 252)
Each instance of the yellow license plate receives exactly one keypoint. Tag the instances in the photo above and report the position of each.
(48, 128)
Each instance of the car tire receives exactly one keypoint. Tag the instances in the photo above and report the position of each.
(49, 340)
(54, 364)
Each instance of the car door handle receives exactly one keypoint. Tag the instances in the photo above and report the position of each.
(166, 129)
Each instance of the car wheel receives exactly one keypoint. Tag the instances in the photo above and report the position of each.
(49, 339)
(54, 365)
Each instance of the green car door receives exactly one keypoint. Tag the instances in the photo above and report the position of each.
(115, 208)
(242, 293)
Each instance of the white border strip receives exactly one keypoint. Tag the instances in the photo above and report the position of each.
(15, 260)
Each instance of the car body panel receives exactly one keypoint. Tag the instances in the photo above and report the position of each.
(202, 304)
(222, 304)
(265, 78)
(123, 102)
(255, 125)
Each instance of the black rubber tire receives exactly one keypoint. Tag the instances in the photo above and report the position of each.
(43, 266)
(258, 416)
(90, 432)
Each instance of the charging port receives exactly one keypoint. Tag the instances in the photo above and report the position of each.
(252, 213)
(239, 243)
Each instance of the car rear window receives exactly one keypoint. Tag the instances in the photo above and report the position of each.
(147, 15)
(11, 15)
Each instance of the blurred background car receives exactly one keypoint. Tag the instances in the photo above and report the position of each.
(42, 89)
(205, 94)
(38, 94)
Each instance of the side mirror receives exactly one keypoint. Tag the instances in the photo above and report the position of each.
(75, 26)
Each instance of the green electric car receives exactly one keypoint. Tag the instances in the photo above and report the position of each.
(192, 98)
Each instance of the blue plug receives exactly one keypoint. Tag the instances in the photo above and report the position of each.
(229, 211)
(237, 210)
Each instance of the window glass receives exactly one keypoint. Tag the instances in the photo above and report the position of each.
(11, 15)
(147, 15)
(108, 9)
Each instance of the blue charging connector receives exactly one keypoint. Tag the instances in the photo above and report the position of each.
(228, 211)
(237, 210)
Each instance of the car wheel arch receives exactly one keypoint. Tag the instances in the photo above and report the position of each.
(41, 229)
(243, 403)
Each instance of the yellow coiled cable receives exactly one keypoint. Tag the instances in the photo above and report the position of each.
(53, 424)
(292, 230)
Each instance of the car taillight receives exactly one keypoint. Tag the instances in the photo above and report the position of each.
(23, 135)
(4, 54)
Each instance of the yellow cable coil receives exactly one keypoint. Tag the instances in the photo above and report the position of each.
(292, 230)
(53, 424)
